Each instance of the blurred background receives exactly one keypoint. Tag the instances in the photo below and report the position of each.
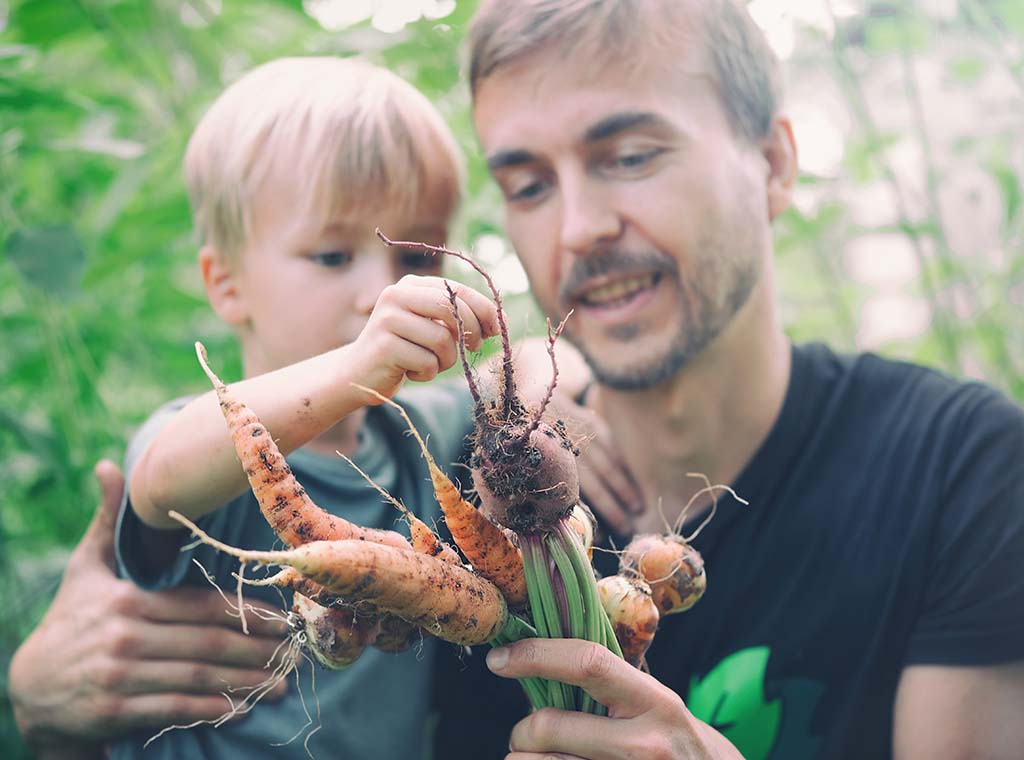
(906, 237)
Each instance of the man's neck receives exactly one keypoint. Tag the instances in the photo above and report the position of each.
(709, 419)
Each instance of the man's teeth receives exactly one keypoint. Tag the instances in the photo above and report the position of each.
(621, 290)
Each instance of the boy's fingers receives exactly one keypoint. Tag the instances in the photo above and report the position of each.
(483, 308)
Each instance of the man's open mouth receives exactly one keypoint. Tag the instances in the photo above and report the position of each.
(619, 292)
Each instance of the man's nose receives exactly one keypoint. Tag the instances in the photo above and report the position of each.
(588, 217)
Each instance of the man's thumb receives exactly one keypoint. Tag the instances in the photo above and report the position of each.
(99, 536)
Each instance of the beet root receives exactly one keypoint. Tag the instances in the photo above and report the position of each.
(527, 482)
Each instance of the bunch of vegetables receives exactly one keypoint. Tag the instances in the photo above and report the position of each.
(524, 568)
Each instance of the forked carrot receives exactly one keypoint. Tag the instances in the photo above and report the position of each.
(449, 601)
(484, 544)
(424, 540)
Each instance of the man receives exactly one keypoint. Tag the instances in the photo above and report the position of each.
(870, 601)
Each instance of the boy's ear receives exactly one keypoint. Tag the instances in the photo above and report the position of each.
(779, 150)
(222, 287)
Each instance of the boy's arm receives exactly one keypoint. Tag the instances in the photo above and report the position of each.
(191, 465)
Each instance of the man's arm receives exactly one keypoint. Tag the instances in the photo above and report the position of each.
(959, 713)
(109, 658)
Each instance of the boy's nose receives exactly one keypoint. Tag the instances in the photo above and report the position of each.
(373, 278)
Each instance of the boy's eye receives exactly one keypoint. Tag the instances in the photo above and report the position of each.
(419, 261)
(331, 259)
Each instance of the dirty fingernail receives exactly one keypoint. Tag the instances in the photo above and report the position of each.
(497, 659)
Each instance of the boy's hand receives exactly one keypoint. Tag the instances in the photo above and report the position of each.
(413, 331)
(109, 658)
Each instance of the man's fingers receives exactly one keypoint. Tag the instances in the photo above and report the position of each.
(541, 756)
(610, 680)
(604, 503)
(561, 734)
(98, 540)
(207, 606)
(131, 677)
(157, 711)
(206, 643)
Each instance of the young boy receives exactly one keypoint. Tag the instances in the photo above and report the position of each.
(290, 172)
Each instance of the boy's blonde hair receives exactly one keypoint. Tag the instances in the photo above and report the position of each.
(348, 137)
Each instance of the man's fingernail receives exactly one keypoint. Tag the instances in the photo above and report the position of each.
(497, 658)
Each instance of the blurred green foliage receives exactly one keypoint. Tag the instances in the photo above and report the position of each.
(100, 298)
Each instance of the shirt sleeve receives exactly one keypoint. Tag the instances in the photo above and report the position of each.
(128, 535)
(973, 609)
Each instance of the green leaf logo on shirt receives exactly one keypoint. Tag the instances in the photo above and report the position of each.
(731, 699)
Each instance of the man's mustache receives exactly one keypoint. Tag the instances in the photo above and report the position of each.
(613, 261)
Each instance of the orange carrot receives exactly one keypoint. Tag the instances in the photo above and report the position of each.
(392, 634)
(336, 636)
(424, 540)
(449, 601)
(673, 568)
(633, 614)
(293, 515)
(489, 550)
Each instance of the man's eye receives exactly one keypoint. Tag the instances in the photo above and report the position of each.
(332, 259)
(634, 159)
(419, 262)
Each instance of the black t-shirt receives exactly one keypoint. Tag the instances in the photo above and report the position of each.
(885, 529)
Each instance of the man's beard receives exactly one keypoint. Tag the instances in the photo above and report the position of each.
(702, 319)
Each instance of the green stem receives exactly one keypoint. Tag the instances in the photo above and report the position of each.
(545, 609)
(517, 629)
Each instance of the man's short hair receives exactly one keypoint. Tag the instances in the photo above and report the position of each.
(347, 137)
(745, 68)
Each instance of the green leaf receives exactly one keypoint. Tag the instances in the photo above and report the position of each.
(895, 30)
(967, 69)
(50, 258)
(731, 699)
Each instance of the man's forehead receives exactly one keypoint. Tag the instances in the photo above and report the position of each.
(582, 100)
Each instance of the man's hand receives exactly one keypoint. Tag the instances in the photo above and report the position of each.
(606, 484)
(109, 658)
(645, 719)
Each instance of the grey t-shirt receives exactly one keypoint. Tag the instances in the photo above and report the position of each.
(376, 709)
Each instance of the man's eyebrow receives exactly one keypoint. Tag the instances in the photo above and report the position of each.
(506, 158)
(620, 122)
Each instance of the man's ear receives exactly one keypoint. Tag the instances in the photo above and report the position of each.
(779, 150)
(223, 288)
